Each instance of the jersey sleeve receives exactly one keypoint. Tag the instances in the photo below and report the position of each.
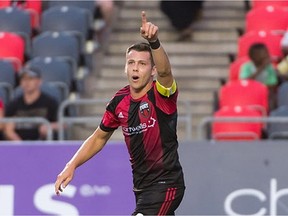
(168, 104)
(109, 120)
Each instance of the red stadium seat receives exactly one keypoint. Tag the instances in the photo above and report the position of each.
(230, 130)
(12, 48)
(272, 42)
(257, 3)
(5, 3)
(235, 66)
(250, 93)
(268, 18)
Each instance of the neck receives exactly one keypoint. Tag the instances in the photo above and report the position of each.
(30, 97)
(138, 93)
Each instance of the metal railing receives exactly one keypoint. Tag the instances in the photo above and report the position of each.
(64, 120)
(202, 127)
(37, 120)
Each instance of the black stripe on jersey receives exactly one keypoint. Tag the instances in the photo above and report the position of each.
(136, 144)
(168, 132)
(116, 100)
(167, 123)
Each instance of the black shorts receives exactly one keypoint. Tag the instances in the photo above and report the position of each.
(158, 201)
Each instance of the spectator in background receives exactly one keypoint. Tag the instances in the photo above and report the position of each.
(182, 14)
(32, 103)
(260, 68)
(105, 9)
(282, 66)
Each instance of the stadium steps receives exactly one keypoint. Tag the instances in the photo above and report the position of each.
(198, 65)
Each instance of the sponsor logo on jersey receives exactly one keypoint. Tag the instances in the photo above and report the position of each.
(144, 109)
(120, 115)
(142, 127)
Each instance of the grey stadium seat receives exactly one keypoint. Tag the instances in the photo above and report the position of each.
(282, 94)
(278, 130)
(7, 73)
(54, 70)
(4, 95)
(87, 5)
(47, 88)
(70, 19)
(56, 44)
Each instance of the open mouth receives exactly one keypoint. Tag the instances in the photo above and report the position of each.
(135, 78)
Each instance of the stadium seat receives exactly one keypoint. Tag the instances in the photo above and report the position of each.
(278, 130)
(48, 88)
(282, 94)
(267, 18)
(73, 20)
(272, 42)
(12, 49)
(7, 73)
(233, 130)
(7, 80)
(17, 20)
(4, 95)
(235, 66)
(250, 93)
(34, 7)
(87, 5)
(56, 44)
(5, 3)
(257, 3)
(55, 70)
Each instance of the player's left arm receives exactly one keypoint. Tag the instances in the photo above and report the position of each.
(166, 84)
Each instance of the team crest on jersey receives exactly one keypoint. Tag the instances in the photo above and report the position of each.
(144, 109)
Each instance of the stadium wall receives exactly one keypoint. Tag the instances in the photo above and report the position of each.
(225, 178)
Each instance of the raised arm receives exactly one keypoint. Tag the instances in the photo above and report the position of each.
(149, 31)
(91, 146)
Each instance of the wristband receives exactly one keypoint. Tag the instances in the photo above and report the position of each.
(155, 44)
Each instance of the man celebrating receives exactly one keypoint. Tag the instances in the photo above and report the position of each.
(146, 109)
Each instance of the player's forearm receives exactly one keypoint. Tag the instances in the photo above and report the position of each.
(161, 61)
(91, 146)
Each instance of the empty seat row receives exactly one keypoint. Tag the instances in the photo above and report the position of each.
(58, 46)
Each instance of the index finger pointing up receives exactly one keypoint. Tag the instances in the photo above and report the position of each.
(144, 19)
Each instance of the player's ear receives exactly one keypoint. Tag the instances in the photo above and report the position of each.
(154, 70)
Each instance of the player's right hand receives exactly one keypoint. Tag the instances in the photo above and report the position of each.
(63, 179)
(148, 30)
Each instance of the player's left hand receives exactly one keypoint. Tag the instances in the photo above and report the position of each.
(148, 30)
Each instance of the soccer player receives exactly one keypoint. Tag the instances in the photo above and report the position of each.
(147, 112)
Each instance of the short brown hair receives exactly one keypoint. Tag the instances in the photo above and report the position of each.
(141, 47)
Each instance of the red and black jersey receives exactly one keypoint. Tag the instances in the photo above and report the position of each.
(149, 127)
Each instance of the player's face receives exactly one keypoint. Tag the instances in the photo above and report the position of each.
(139, 70)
